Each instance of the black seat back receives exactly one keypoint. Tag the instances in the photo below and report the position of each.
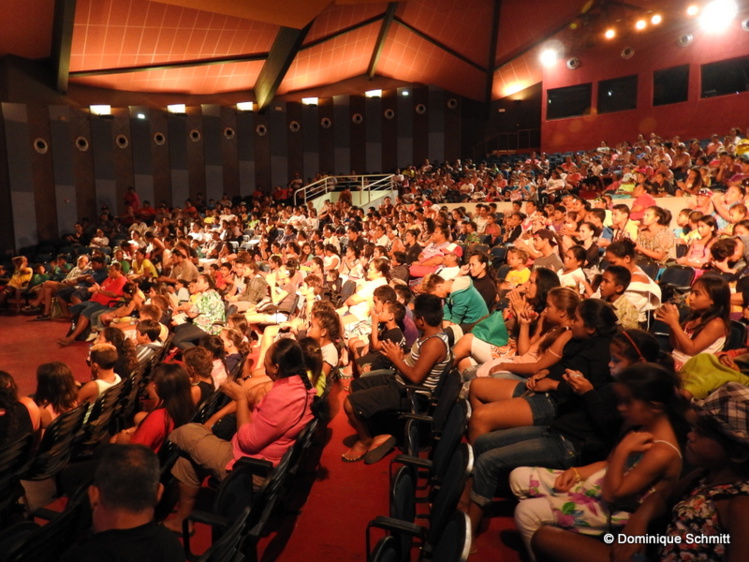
(737, 337)
(449, 439)
(228, 546)
(56, 446)
(97, 426)
(14, 459)
(454, 543)
(445, 499)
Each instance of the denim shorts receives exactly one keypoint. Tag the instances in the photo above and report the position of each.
(544, 409)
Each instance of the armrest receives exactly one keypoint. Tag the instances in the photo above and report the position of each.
(209, 519)
(260, 467)
(412, 461)
(397, 525)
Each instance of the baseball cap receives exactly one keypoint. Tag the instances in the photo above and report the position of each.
(453, 249)
(728, 409)
(744, 157)
(706, 192)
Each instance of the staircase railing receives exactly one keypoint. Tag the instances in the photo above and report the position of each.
(362, 184)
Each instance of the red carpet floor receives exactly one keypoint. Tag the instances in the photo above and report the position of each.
(343, 497)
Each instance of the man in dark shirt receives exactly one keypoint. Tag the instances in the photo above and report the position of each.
(125, 490)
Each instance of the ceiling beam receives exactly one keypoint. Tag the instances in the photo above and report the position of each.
(442, 46)
(492, 54)
(285, 47)
(341, 31)
(387, 20)
(169, 65)
(62, 41)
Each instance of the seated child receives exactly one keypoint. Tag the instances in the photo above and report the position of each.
(614, 282)
(373, 395)
(399, 266)
(389, 320)
(519, 272)
(147, 343)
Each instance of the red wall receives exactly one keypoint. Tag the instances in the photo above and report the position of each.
(654, 50)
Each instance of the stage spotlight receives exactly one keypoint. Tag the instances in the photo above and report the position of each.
(610, 33)
(549, 57)
(656, 19)
(640, 25)
(718, 15)
(693, 10)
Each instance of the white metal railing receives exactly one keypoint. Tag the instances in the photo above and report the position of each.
(362, 184)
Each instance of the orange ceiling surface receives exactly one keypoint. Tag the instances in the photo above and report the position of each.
(220, 46)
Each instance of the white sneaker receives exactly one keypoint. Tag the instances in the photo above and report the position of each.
(92, 336)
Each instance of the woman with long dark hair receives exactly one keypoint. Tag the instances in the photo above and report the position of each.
(265, 432)
(56, 391)
(169, 392)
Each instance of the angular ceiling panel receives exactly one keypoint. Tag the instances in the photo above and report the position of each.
(342, 16)
(116, 33)
(288, 13)
(408, 57)
(217, 78)
(462, 25)
(26, 28)
(343, 57)
(520, 24)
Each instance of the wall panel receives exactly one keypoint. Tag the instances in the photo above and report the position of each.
(43, 175)
(160, 157)
(229, 152)
(122, 155)
(195, 140)
(84, 178)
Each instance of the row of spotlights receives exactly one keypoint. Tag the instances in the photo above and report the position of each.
(714, 17)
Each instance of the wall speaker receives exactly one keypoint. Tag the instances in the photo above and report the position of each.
(685, 40)
(627, 53)
(573, 63)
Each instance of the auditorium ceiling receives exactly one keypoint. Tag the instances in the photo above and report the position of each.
(475, 48)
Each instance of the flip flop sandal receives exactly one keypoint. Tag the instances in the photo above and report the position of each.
(379, 452)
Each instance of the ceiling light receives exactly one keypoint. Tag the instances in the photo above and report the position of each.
(141, 116)
(640, 25)
(309, 101)
(692, 10)
(373, 94)
(101, 109)
(177, 108)
(718, 15)
(656, 19)
(245, 106)
(404, 93)
(610, 33)
(548, 57)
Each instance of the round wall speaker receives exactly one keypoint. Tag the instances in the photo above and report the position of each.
(121, 141)
(195, 135)
(357, 118)
(685, 40)
(326, 123)
(745, 24)
(452, 103)
(261, 130)
(389, 114)
(421, 109)
(159, 138)
(627, 53)
(229, 133)
(81, 143)
(294, 126)
(573, 63)
(41, 146)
